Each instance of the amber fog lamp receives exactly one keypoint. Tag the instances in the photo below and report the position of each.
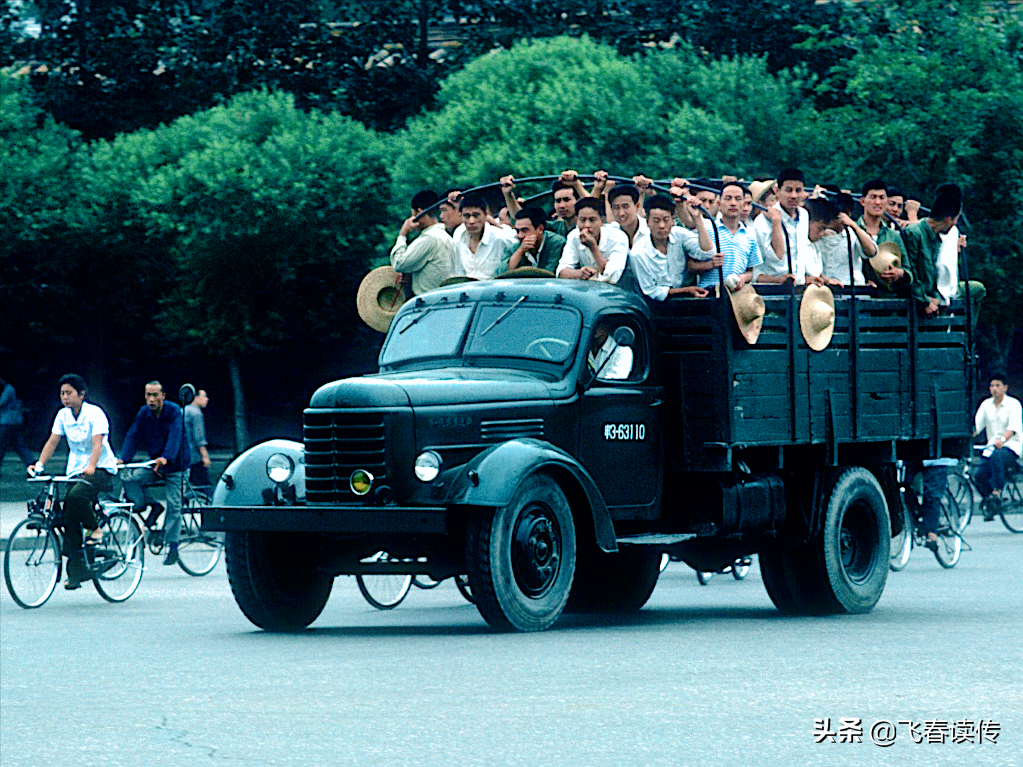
(428, 466)
(361, 481)
(280, 468)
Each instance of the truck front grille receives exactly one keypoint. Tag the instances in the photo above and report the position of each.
(336, 444)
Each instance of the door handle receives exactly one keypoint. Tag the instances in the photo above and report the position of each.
(656, 403)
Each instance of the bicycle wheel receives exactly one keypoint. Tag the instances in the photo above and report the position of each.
(118, 563)
(902, 544)
(950, 543)
(464, 588)
(665, 561)
(1011, 510)
(198, 550)
(32, 563)
(963, 495)
(740, 568)
(704, 576)
(424, 582)
(384, 592)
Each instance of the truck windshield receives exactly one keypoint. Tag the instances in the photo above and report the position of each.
(513, 331)
(545, 333)
(434, 332)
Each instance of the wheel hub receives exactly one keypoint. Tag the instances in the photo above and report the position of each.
(536, 551)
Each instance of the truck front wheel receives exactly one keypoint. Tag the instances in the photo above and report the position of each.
(275, 579)
(521, 558)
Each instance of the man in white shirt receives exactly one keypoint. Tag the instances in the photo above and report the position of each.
(482, 244)
(783, 236)
(624, 201)
(1001, 418)
(431, 258)
(593, 251)
(659, 256)
(87, 431)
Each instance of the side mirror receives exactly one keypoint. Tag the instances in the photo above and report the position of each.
(624, 335)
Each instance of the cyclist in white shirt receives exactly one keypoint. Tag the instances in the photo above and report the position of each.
(1001, 418)
(87, 431)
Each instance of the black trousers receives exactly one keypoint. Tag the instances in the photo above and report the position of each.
(78, 508)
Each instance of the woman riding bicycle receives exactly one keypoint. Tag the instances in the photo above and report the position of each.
(87, 430)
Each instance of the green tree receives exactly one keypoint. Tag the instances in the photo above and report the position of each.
(273, 214)
(934, 93)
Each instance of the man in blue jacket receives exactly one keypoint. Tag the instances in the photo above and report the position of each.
(158, 430)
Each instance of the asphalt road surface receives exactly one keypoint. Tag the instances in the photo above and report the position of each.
(702, 676)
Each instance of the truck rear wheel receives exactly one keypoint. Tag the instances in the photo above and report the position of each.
(615, 583)
(521, 558)
(275, 580)
(845, 567)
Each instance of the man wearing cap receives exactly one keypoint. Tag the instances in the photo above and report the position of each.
(594, 251)
(1000, 417)
(659, 257)
(431, 258)
(537, 247)
(482, 244)
(923, 246)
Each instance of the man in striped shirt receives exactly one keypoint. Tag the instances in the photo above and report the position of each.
(738, 249)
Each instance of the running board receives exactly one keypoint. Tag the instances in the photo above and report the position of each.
(655, 539)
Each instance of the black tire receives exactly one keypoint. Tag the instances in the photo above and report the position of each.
(615, 583)
(963, 495)
(845, 567)
(1011, 509)
(850, 556)
(465, 588)
(198, 549)
(778, 566)
(275, 578)
(902, 544)
(949, 546)
(32, 563)
(521, 559)
(121, 560)
(384, 592)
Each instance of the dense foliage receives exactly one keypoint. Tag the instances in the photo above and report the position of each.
(201, 184)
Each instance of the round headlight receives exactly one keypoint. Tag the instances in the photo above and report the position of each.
(280, 467)
(360, 481)
(427, 466)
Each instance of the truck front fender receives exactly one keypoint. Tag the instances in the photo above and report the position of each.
(491, 478)
(244, 481)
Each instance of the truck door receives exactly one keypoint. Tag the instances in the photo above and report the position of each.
(620, 436)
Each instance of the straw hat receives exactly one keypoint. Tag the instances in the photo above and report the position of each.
(759, 188)
(748, 308)
(380, 297)
(817, 316)
(456, 279)
(888, 254)
(525, 271)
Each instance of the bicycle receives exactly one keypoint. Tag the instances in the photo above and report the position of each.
(198, 550)
(33, 559)
(949, 546)
(739, 570)
(1010, 504)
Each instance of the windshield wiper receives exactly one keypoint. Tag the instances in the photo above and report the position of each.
(421, 315)
(507, 311)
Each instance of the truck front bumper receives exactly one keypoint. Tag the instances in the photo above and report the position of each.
(327, 519)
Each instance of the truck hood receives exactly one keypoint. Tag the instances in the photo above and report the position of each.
(451, 386)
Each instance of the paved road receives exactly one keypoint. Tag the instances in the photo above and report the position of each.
(703, 676)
